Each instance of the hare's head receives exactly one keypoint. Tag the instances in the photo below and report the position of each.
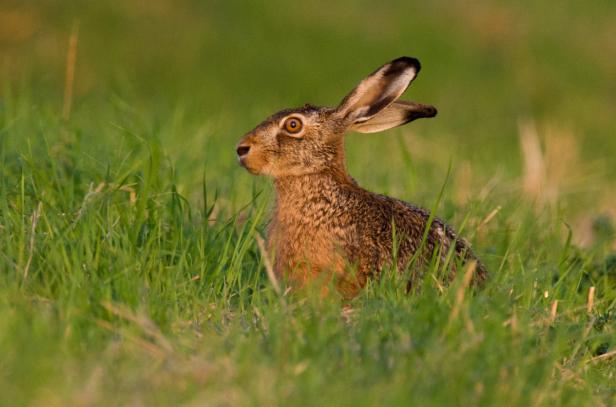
(309, 139)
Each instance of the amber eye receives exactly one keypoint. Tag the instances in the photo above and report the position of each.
(293, 125)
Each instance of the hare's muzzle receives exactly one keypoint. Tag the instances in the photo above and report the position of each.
(242, 150)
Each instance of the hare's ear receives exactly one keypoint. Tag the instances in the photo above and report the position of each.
(396, 114)
(379, 90)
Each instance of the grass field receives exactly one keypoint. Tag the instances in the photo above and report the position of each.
(129, 270)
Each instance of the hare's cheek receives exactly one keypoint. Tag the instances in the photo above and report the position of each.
(281, 142)
(256, 162)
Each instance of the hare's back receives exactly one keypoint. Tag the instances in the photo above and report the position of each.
(387, 222)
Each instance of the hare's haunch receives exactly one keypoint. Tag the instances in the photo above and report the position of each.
(325, 225)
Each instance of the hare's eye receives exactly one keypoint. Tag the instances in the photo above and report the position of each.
(293, 125)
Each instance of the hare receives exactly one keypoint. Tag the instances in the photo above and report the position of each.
(324, 225)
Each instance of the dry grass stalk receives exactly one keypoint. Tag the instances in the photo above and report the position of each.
(534, 165)
(269, 269)
(565, 313)
(513, 321)
(92, 192)
(71, 59)
(605, 356)
(551, 171)
(564, 170)
(490, 216)
(553, 311)
(591, 299)
(466, 280)
(149, 347)
(132, 194)
(35, 218)
(142, 321)
(90, 394)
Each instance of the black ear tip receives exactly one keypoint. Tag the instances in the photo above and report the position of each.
(408, 61)
(420, 111)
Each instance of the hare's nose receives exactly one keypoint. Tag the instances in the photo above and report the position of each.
(242, 151)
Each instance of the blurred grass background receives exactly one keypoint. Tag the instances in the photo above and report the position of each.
(217, 68)
(127, 224)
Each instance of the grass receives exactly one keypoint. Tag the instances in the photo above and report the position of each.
(129, 270)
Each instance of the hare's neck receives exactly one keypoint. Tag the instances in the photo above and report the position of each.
(304, 192)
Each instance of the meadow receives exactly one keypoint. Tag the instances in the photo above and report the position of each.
(129, 267)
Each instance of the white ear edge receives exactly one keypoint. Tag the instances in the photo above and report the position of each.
(379, 90)
(398, 113)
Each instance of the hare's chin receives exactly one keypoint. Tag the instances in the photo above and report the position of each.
(248, 168)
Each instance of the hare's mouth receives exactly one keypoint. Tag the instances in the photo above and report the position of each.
(242, 161)
(245, 162)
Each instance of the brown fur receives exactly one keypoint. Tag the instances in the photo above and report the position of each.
(326, 226)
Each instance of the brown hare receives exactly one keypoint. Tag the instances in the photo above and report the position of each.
(324, 224)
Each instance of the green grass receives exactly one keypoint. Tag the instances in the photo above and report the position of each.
(129, 271)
